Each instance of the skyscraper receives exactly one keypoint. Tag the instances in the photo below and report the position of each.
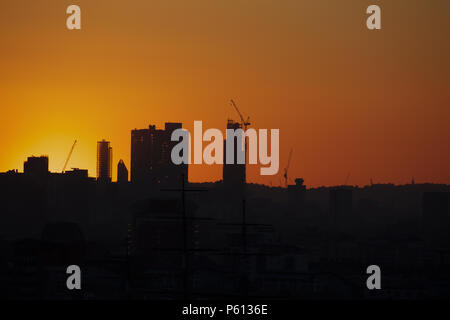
(122, 172)
(151, 155)
(104, 161)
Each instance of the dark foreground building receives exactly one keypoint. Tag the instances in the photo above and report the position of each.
(150, 155)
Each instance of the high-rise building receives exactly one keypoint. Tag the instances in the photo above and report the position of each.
(122, 172)
(151, 155)
(37, 166)
(104, 161)
(233, 174)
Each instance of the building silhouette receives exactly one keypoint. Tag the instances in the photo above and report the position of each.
(122, 172)
(36, 166)
(104, 161)
(151, 155)
(233, 174)
(134, 242)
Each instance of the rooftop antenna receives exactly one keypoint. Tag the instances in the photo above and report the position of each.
(244, 123)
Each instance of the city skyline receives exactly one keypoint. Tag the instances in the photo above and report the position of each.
(225, 158)
(158, 153)
(283, 63)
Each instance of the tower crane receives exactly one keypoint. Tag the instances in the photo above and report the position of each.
(68, 157)
(245, 123)
(287, 168)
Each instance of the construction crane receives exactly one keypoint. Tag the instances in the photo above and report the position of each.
(68, 157)
(287, 168)
(244, 123)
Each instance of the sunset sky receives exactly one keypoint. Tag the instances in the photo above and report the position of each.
(375, 104)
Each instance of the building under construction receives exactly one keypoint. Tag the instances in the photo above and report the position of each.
(234, 174)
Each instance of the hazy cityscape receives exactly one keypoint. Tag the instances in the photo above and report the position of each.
(154, 235)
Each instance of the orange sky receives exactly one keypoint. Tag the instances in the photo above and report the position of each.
(346, 99)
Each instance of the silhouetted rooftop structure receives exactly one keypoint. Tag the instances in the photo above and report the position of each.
(37, 166)
(78, 173)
